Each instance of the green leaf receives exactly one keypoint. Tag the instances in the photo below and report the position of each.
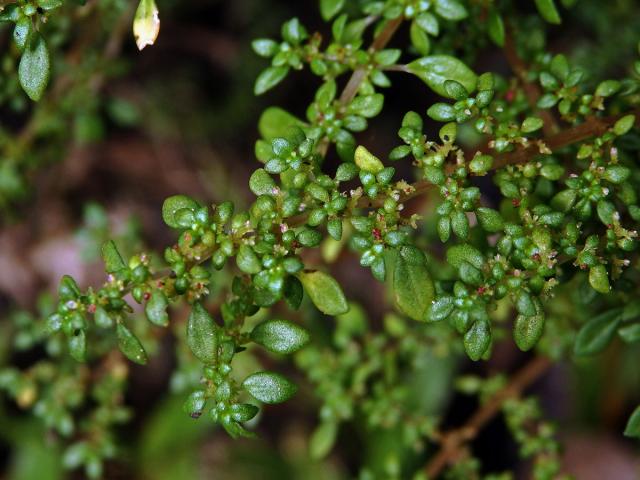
(194, 404)
(464, 253)
(460, 224)
(276, 122)
(129, 344)
(280, 336)
(525, 305)
(441, 112)
(243, 412)
(156, 308)
(616, 174)
(608, 88)
(451, 10)
(477, 339)
(367, 161)
(599, 279)
(623, 125)
(11, 13)
(102, 318)
(531, 124)
(440, 309)
(34, 68)
(269, 387)
(366, 105)
(548, 11)
(346, 172)
(78, 346)
(495, 26)
(322, 439)
(330, 8)
(419, 39)
(324, 291)
(175, 204)
(412, 285)
(202, 334)
(597, 333)
(490, 219)
(630, 333)
(261, 183)
(247, 260)
(387, 57)
(293, 292)
(429, 23)
(112, 260)
(455, 90)
(264, 47)
(527, 331)
(21, 32)
(633, 424)
(269, 78)
(436, 69)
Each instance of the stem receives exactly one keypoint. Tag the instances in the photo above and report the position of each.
(397, 68)
(531, 90)
(453, 441)
(593, 127)
(358, 76)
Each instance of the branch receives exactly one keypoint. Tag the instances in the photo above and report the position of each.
(453, 441)
(593, 127)
(531, 90)
(358, 76)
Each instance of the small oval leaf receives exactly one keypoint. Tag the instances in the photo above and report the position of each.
(34, 67)
(412, 286)
(527, 331)
(175, 204)
(269, 387)
(280, 336)
(324, 291)
(597, 333)
(435, 70)
(111, 256)
(129, 344)
(202, 334)
(156, 308)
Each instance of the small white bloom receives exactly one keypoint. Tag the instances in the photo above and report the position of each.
(146, 23)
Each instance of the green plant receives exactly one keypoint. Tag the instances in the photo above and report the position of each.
(557, 246)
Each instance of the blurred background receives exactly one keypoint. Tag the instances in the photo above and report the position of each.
(180, 117)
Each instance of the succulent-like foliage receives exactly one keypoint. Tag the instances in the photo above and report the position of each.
(559, 143)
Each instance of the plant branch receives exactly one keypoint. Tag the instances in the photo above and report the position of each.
(358, 76)
(531, 90)
(453, 441)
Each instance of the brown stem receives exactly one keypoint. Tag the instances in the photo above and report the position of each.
(358, 76)
(453, 441)
(531, 90)
(592, 127)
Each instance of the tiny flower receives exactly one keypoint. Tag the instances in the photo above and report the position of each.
(146, 23)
